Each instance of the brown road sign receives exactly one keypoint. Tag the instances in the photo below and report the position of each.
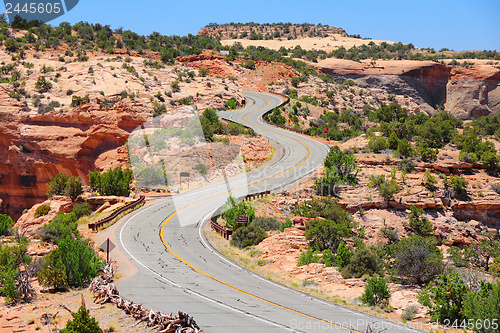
(242, 219)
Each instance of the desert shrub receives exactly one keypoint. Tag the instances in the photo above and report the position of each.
(42, 85)
(231, 103)
(203, 72)
(267, 223)
(6, 223)
(57, 184)
(409, 312)
(340, 168)
(325, 207)
(390, 234)
(81, 263)
(429, 180)
(82, 210)
(158, 109)
(234, 208)
(363, 262)
(82, 322)
(53, 272)
(113, 182)
(287, 224)
(307, 257)
(12, 257)
(439, 130)
(326, 234)
(62, 225)
(250, 64)
(377, 144)
(344, 255)
(201, 168)
(295, 81)
(418, 224)
(42, 210)
(387, 189)
(404, 148)
(328, 257)
(407, 165)
(426, 153)
(175, 86)
(392, 141)
(483, 308)
(457, 184)
(495, 187)
(418, 259)
(248, 236)
(444, 297)
(74, 188)
(376, 292)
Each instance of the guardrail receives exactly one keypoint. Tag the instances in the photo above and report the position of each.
(287, 100)
(96, 225)
(225, 232)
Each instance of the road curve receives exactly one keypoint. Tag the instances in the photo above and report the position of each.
(178, 270)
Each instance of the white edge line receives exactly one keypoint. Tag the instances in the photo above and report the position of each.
(189, 290)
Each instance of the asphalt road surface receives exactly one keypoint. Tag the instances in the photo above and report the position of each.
(178, 270)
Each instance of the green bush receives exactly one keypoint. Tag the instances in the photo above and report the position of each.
(363, 262)
(42, 85)
(42, 210)
(307, 257)
(344, 255)
(201, 168)
(387, 189)
(232, 209)
(392, 141)
(82, 323)
(231, 104)
(458, 185)
(82, 210)
(483, 308)
(326, 234)
(287, 224)
(82, 264)
(248, 236)
(404, 148)
(444, 297)
(250, 64)
(376, 292)
(430, 181)
(377, 144)
(409, 312)
(113, 182)
(57, 184)
(418, 224)
(6, 223)
(418, 259)
(267, 223)
(53, 272)
(74, 188)
(427, 154)
(61, 226)
(340, 168)
(328, 257)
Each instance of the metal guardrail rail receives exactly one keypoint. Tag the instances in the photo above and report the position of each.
(96, 225)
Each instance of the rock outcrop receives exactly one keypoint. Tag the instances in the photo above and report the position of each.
(465, 92)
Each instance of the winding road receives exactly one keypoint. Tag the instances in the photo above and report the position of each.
(178, 270)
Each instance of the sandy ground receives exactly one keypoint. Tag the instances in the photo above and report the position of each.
(317, 43)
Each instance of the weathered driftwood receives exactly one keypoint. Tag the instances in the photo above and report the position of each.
(105, 291)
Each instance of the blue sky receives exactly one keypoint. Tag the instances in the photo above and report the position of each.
(457, 24)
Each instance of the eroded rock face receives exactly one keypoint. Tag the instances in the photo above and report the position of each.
(37, 143)
(465, 92)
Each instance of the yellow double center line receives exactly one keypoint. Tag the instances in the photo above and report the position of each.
(178, 257)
